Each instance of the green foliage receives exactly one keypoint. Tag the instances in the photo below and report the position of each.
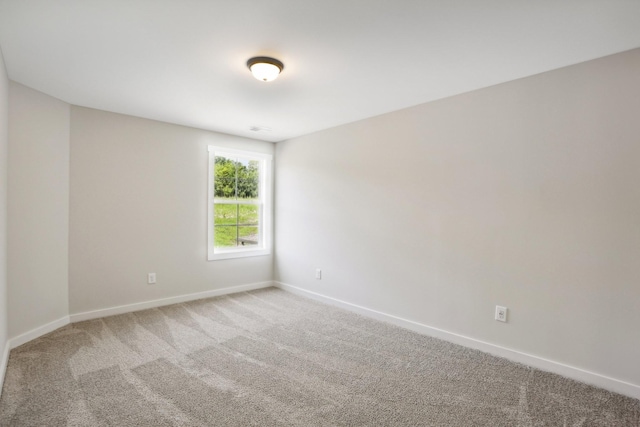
(235, 214)
(230, 236)
(233, 178)
(225, 236)
(234, 222)
(237, 180)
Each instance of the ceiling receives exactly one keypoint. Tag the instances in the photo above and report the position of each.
(184, 61)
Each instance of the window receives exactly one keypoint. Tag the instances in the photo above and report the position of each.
(239, 203)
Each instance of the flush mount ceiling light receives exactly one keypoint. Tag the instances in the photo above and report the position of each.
(265, 68)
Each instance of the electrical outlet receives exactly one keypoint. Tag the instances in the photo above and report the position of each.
(151, 278)
(318, 274)
(501, 313)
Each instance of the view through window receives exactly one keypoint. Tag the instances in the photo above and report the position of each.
(237, 203)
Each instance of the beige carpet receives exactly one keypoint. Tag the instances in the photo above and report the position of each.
(269, 358)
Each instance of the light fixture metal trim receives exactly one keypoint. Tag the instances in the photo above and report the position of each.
(265, 68)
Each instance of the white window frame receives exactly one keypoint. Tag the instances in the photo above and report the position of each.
(264, 201)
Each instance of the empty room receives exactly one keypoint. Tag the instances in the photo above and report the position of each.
(320, 213)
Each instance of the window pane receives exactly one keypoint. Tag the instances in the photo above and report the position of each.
(237, 206)
(225, 236)
(248, 214)
(248, 178)
(225, 177)
(248, 236)
(235, 225)
(225, 214)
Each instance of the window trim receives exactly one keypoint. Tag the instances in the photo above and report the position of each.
(265, 196)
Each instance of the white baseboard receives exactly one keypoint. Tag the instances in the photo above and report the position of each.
(25, 338)
(598, 380)
(121, 309)
(38, 332)
(79, 317)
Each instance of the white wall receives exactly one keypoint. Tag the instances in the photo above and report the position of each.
(4, 144)
(524, 194)
(139, 205)
(38, 220)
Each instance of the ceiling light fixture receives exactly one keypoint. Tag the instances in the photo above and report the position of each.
(265, 68)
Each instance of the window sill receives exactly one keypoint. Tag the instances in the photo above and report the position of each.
(230, 254)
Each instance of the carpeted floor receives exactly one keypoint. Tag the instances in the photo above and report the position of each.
(270, 358)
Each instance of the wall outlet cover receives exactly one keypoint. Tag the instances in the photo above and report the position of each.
(501, 313)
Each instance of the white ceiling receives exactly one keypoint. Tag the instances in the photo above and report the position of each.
(184, 61)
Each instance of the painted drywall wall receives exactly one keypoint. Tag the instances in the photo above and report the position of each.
(139, 205)
(38, 220)
(524, 195)
(4, 146)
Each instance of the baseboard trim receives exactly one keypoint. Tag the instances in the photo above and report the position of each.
(38, 332)
(598, 380)
(88, 315)
(128, 308)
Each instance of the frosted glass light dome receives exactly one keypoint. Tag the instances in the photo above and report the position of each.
(264, 68)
